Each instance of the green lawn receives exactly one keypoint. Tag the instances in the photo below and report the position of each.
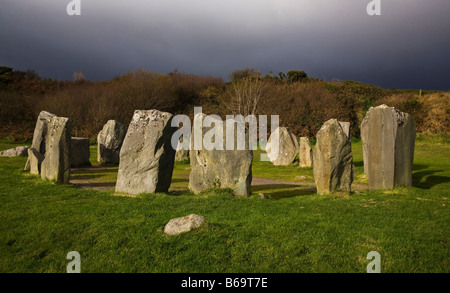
(295, 230)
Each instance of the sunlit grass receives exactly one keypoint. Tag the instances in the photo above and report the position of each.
(295, 230)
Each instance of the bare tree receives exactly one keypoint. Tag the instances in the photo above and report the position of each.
(78, 77)
(245, 96)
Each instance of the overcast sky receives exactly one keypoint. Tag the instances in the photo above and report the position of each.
(407, 46)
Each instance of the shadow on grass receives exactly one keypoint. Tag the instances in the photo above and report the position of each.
(84, 177)
(358, 163)
(430, 179)
(179, 180)
(91, 172)
(417, 167)
(94, 169)
(280, 191)
(96, 185)
(178, 192)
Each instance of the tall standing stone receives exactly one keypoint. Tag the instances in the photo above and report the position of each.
(214, 167)
(287, 149)
(332, 159)
(110, 140)
(40, 133)
(388, 146)
(56, 163)
(80, 152)
(305, 153)
(147, 157)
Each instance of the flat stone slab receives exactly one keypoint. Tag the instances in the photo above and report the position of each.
(20, 151)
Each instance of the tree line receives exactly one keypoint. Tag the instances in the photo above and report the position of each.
(303, 103)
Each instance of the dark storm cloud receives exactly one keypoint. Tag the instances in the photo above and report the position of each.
(405, 47)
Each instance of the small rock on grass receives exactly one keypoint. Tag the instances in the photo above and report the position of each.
(184, 224)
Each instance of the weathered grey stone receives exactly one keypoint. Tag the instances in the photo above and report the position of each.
(346, 128)
(147, 156)
(20, 151)
(388, 147)
(224, 168)
(286, 151)
(332, 159)
(56, 163)
(35, 159)
(110, 140)
(181, 154)
(305, 153)
(80, 152)
(184, 224)
(40, 133)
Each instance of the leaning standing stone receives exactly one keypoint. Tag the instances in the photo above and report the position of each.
(305, 153)
(147, 156)
(333, 161)
(110, 140)
(40, 133)
(212, 167)
(287, 149)
(388, 146)
(56, 164)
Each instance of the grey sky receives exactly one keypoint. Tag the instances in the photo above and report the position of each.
(406, 47)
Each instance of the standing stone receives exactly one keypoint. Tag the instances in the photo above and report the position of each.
(147, 156)
(226, 168)
(388, 146)
(56, 163)
(35, 159)
(305, 153)
(332, 159)
(40, 133)
(286, 151)
(110, 140)
(181, 154)
(80, 152)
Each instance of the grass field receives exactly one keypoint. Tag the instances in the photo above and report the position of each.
(295, 230)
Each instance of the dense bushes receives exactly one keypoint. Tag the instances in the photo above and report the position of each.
(431, 111)
(302, 103)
